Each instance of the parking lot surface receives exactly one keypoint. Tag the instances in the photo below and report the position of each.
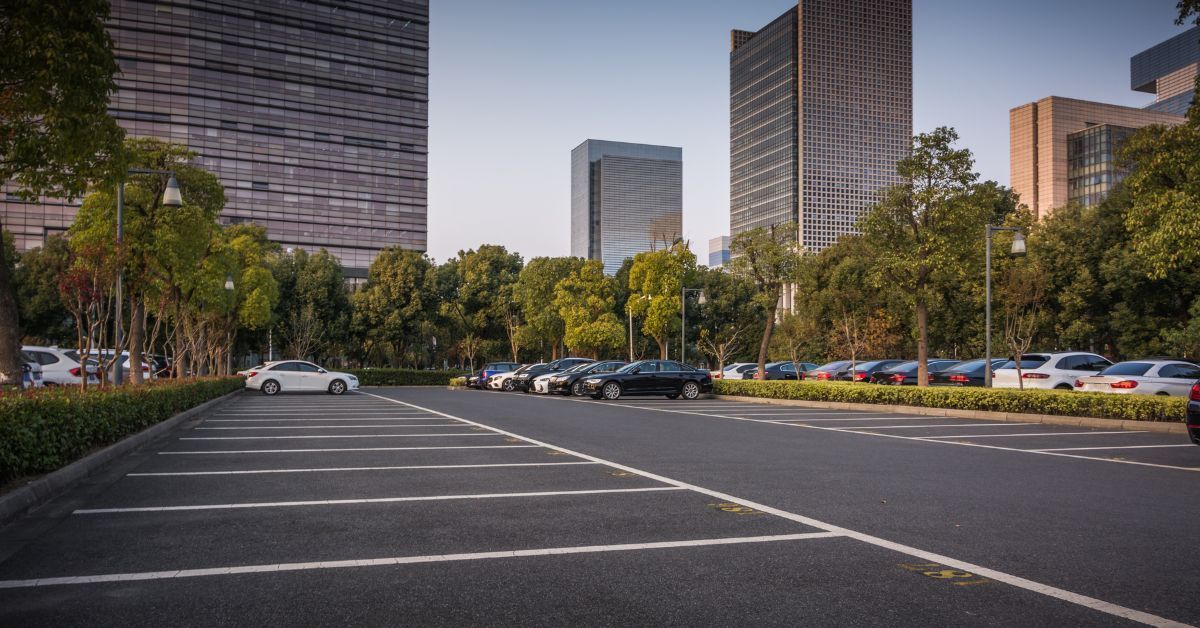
(437, 507)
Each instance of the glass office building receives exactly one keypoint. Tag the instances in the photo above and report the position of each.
(820, 112)
(1092, 169)
(718, 252)
(1168, 71)
(625, 199)
(313, 115)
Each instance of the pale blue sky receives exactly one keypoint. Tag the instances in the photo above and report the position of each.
(515, 85)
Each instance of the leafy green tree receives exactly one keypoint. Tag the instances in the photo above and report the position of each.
(926, 224)
(769, 257)
(729, 320)
(43, 314)
(56, 137)
(1187, 9)
(482, 297)
(399, 300)
(534, 289)
(585, 301)
(655, 285)
(313, 283)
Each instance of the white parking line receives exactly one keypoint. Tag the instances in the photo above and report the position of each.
(300, 451)
(332, 427)
(326, 436)
(1120, 447)
(332, 469)
(372, 500)
(999, 576)
(1030, 434)
(406, 560)
(361, 418)
(882, 418)
(272, 413)
(913, 427)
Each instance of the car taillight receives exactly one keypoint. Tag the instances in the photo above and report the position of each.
(757, 375)
(897, 377)
(74, 371)
(858, 377)
(824, 375)
(252, 373)
(1124, 384)
(1195, 394)
(1034, 376)
(145, 368)
(1078, 384)
(960, 379)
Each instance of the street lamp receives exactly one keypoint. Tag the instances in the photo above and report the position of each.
(683, 318)
(171, 198)
(228, 282)
(1018, 250)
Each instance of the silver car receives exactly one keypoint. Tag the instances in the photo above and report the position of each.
(1143, 377)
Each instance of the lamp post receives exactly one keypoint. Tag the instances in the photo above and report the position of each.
(683, 319)
(1018, 250)
(171, 198)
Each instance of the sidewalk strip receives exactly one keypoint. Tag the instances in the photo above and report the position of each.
(405, 560)
(327, 469)
(374, 500)
(300, 451)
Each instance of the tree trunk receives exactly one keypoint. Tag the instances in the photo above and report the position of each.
(922, 343)
(662, 348)
(10, 329)
(766, 339)
(137, 337)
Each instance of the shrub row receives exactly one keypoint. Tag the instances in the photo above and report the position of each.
(1056, 402)
(42, 430)
(403, 377)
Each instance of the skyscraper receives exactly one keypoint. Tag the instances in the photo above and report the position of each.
(820, 112)
(718, 251)
(313, 115)
(625, 199)
(1168, 71)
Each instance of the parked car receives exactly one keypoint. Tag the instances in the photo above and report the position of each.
(1193, 413)
(733, 371)
(570, 381)
(1143, 377)
(650, 377)
(161, 365)
(60, 367)
(31, 374)
(524, 381)
(100, 356)
(906, 373)
(827, 372)
(296, 376)
(780, 370)
(969, 373)
(863, 370)
(504, 380)
(479, 379)
(1049, 370)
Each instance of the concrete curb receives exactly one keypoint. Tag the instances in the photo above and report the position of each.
(1010, 417)
(19, 501)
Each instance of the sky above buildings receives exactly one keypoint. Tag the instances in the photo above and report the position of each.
(514, 86)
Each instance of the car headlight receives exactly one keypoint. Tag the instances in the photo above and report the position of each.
(594, 380)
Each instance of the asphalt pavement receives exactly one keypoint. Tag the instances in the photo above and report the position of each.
(437, 507)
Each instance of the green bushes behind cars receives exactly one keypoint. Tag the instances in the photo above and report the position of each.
(1054, 402)
(403, 377)
(42, 430)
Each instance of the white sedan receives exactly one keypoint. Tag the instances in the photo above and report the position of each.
(296, 376)
(1143, 377)
(541, 383)
(501, 381)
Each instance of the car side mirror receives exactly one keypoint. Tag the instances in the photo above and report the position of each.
(322, 371)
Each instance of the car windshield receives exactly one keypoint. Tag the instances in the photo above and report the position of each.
(1027, 362)
(904, 367)
(870, 366)
(966, 367)
(629, 367)
(1127, 368)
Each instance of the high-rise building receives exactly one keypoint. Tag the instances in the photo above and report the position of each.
(625, 199)
(313, 115)
(1056, 156)
(718, 251)
(820, 106)
(1168, 71)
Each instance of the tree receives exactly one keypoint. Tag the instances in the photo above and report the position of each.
(86, 288)
(43, 313)
(56, 137)
(655, 284)
(769, 257)
(928, 223)
(478, 297)
(728, 317)
(795, 335)
(314, 279)
(1023, 293)
(1188, 8)
(585, 300)
(534, 290)
(398, 301)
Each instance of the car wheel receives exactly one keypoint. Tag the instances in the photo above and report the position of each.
(508, 385)
(576, 389)
(691, 390)
(611, 391)
(337, 387)
(270, 387)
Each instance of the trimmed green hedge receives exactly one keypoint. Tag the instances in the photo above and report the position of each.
(42, 430)
(403, 377)
(1057, 402)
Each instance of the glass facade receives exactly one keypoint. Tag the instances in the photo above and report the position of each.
(1168, 71)
(718, 251)
(1091, 168)
(820, 112)
(625, 199)
(313, 115)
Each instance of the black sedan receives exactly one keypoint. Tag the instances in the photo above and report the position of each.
(650, 377)
(906, 374)
(1193, 413)
(863, 370)
(570, 381)
(524, 381)
(969, 373)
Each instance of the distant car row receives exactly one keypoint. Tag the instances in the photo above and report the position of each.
(1061, 371)
(607, 379)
